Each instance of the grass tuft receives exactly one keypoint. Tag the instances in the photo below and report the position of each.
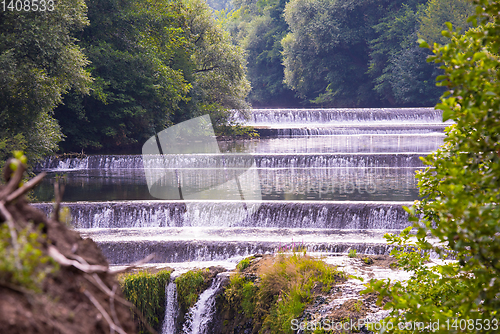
(189, 287)
(281, 291)
(146, 291)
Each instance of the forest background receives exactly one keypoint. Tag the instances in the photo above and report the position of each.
(105, 75)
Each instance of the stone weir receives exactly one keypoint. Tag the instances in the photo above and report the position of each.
(274, 160)
(303, 130)
(174, 245)
(344, 115)
(280, 214)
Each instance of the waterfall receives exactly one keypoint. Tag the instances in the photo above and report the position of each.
(121, 253)
(200, 316)
(344, 115)
(175, 245)
(91, 162)
(280, 214)
(171, 308)
(341, 129)
(321, 172)
(192, 162)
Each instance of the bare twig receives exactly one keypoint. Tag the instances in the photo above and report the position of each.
(133, 265)
(58, 192)
(78, 258)
(13, 233)
(64, 261)
(112, 305)
(13, 287)
(96, 280)
(26, 187)
(14, 181)
(112, 325)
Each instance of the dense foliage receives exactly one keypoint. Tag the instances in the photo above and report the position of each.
(189, 286)
(259, 27)
(147, 292)
(341, 53)
(123, 71)
(34, 266)
(461, 188)
(39, 63)
(154, 64)
(280, 293)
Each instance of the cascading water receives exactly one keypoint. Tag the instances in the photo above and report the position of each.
(331, 180)
(176, 245)
(344, 116)
(171, 308)
(322, 170)
(275, 160)
(229, 214)
(200, 316)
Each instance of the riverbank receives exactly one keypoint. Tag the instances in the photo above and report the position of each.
(255, 293)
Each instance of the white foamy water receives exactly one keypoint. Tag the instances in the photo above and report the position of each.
(171, 308)
(201, 314)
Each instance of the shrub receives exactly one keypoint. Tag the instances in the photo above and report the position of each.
(352, 253)
(241, 293)
(288, 283)
(281, 292)
(147, 292)
(460, 191)
(245, 263)
(189, 287)
(34, 266)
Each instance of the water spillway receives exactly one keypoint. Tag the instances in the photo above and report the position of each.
(200, 316)
(327, 178)
(276, 214)
(344, 116)
(171, 308)
(187, 244)
(353, 130)
(274, 160)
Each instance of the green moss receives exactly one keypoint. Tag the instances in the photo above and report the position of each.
(189, 287)
(34, 266)
(147, 292)
(290, 281)
(241, 293)
(280, 294)
(245, 263)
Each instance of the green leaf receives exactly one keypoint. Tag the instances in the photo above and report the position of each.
(422, 43)
(448, 114)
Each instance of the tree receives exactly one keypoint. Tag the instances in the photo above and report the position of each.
(364, 53)
(259, 28)
(461, 187)
(39, 62)
(156, 63)
(437, 12)
(219, 70)
(397, 65)
(220, 4)
(327, 52)
(132, 47)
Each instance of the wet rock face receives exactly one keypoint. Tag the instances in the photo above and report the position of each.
(343, 307)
